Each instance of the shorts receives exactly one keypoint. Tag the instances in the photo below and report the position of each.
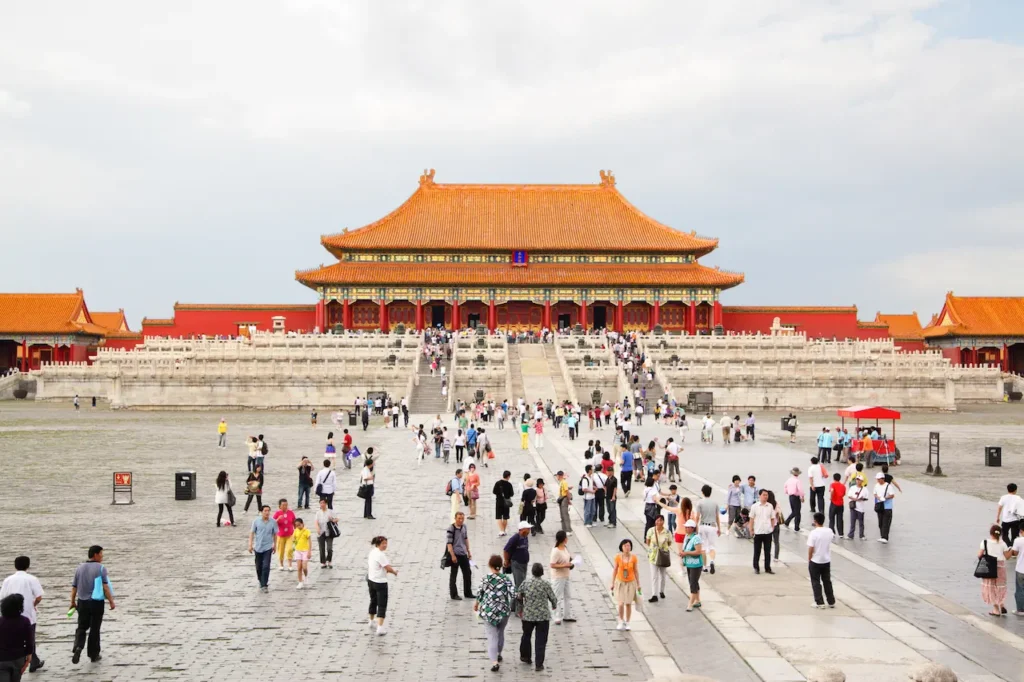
(302, 555)
(708, 537)
(501, 511)
(680, 538)
(625, 593)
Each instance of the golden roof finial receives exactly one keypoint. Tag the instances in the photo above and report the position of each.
(428, 177)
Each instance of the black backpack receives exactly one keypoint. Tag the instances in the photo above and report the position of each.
(265, 449)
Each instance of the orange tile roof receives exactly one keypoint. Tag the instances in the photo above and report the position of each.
(788, 309)
(495, 218)
(979, 316)
(46, 314)
(902, 327)
(157, 322)
(553, 274)
(114, 322)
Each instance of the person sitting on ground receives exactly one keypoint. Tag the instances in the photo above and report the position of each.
(741, 526)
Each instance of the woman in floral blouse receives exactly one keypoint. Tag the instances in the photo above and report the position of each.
(494, 602)
(538, 599)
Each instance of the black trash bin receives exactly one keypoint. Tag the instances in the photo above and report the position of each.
(993, 456)
(784, 423)
(351, 418)
(185, 485)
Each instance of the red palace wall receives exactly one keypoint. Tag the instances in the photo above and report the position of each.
(224, 322)
(826, 323)
(126, 344)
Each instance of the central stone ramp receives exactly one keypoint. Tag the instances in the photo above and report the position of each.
(536, 374)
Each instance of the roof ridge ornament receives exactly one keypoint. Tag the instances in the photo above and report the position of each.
(427, 178)
(607, 178)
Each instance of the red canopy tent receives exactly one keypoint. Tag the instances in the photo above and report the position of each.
(859, 412)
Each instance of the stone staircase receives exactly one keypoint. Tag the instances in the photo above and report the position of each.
(15, 381)
(426, 397)
(555, 371)
(516, 371)
(535, 376)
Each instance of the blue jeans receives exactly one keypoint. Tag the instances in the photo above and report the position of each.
(613, 519)
(263, 567)
(589, 512)
(304, 489)
(671, 523)
(437, 450)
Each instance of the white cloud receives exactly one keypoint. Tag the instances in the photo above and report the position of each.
(12, 106)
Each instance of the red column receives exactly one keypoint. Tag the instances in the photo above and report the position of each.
(492, 317)
(618, 317)
(456, 320)
(717, 319)
(583, 315)
(24, 356)
(546, 321)
(691, 318)
(346, 314)
(384, 327)
(320, 319)
(1005, 358)
(656, 318)
(419, 315)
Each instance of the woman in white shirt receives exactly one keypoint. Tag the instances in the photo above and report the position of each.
(652, 494)
(366, 486)
(993, 590)
(377, 579)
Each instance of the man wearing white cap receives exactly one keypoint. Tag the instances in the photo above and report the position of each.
(517, 553)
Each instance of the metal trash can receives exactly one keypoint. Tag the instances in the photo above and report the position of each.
(993, 456)
(351, 418)
(784, 423)
(185, 485)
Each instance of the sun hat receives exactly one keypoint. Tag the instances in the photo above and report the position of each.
(795, 471)
(525, 525)
(690, 524)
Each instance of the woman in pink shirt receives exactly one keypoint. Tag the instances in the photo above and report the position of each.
(538, 430)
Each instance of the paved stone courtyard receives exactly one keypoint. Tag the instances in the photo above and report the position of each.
(188, 608)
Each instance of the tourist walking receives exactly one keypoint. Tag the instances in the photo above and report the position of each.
(692, 555)
(652, 494)
(819, 562)
(305, 470)
(472, 486)
(250, 444)
(795, 491)
(659, 554)
(379, 566)
(995, 553)
(625, 586)
(457, 546)
(1018, 593)
(564, 502)
(89, 588)
(538, 599)
(837, 503)
(17, 638)
(750, 426)
(516, 553)
(587, 489)
(884, 494)
(503, 493)
(762, 524)
(27, 586)
(538, 433)
(859, 500)
(816, 478)
(222, 434)
(709, 525)
(262, 545)
(254, 488)
(455, 490)
(326, 527)
(524, 434)
(779, 519)
(561, 569)
(285, 518)
(326, 483)
(1009, 513)
(733, 501)
(225, 497)
(300, 548)
(540, 505)
(366, 478)
(494, 604)
(611, 498)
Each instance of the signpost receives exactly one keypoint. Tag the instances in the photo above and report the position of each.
(122, 488)
(933, 449)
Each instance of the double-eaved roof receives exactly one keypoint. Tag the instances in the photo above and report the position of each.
(978, 316)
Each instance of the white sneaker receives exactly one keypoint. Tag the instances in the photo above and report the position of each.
(883, 541)
(381, 630)
(300, 586)
(291, 568)
(627, 627)
(558, 621)
(373, 624)
(280, 568)
(620, 626)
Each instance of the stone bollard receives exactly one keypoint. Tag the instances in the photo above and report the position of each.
(933, 672)
(826, 673)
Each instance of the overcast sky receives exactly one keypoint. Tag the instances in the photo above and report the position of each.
(866, 152)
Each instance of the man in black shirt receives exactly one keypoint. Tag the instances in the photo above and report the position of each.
(503, 494)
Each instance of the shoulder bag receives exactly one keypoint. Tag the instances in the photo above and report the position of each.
(880, 504)
(663, 560)
(332, 529)
(987, 567)
(232, 500)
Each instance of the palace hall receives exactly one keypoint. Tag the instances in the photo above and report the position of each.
(518, 257)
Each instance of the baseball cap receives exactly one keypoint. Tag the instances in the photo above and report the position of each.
(525, 525)
(690, 524)
(879, 475)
